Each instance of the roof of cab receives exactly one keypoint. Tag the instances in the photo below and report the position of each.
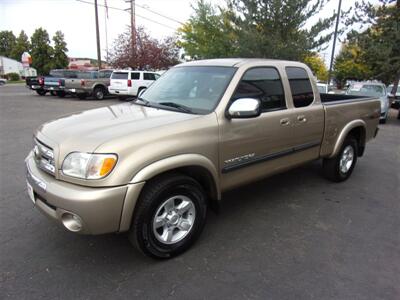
(231, 62)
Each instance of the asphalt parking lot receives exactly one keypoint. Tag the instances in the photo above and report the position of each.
(292, 236)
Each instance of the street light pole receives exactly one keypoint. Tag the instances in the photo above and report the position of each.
(334, 42)
(97, 35)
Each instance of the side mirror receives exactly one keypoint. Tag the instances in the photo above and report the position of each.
(244, 108)
(141, 92)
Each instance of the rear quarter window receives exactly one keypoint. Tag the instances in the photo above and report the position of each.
(119, 75)
(149, 76)
(300, 85)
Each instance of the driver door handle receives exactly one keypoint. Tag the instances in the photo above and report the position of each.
(285, 121)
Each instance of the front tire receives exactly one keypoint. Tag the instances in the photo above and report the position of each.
(169, 216)
(41, 92)
(340, 167)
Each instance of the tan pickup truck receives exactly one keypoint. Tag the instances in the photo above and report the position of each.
(153, 166)
(89, 83)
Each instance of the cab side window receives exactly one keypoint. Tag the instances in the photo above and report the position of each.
(300, 86)
(264, 84)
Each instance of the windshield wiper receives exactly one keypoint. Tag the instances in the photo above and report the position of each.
(180, 107)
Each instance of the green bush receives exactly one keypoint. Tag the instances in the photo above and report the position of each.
(13, 76)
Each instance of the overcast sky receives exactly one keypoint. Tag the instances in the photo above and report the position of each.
(76, 19)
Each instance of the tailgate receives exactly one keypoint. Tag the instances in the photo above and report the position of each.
(72, 83)
(119, 84)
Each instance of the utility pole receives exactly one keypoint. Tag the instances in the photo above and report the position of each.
(133, 27)
(334, 42)
(97, 35)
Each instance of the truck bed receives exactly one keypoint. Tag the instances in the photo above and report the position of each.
(342, 110)
(329, 98)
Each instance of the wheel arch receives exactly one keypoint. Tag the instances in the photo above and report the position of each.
(357, 129)
(100, 85)
(194, 165)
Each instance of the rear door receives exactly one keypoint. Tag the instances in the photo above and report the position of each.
(308, 118)
(119, 81)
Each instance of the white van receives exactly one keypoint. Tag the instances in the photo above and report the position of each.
(130, 83)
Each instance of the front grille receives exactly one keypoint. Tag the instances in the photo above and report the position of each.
(44, 157)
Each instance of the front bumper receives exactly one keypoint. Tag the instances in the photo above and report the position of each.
(35, 87)
(102, 210)
(53, 88)
(77, 91)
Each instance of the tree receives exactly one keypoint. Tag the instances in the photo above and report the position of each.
(276, 29)
(7, 42)
(150, 53)
(380, 42)
(349, 64)
(21, 45)
(208, 33)
(60, 58)
(256, 28)
(41, 51)
(317, 65)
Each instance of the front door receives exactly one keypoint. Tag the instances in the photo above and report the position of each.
(256, 147)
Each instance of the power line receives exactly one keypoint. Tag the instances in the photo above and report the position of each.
(161, 15)
(120, 9)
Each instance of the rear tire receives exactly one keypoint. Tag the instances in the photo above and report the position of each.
(340, 167)
(61, 94)
(99, 93)
(41, 92)
(383, 121)
(169, 216)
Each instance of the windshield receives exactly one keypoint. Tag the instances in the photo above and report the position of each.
(198, 89)
(370, 90)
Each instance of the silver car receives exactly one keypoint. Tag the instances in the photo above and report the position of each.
(372, 89)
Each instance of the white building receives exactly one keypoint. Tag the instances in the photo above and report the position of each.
(8, 65)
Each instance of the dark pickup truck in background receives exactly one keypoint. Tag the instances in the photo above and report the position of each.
(53, 83)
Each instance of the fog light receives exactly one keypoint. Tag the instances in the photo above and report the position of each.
(71, 222)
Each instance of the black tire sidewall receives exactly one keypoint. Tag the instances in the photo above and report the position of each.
(41, 92)
(145, 236)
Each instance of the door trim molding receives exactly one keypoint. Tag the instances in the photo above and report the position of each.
(268, 157)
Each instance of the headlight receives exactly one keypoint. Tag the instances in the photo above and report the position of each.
(88, 166)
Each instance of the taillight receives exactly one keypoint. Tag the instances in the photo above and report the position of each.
(82, 82)
(41, 81)
(129, 83)
(59, 82)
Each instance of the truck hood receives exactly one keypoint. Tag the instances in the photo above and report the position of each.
(86, 130)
